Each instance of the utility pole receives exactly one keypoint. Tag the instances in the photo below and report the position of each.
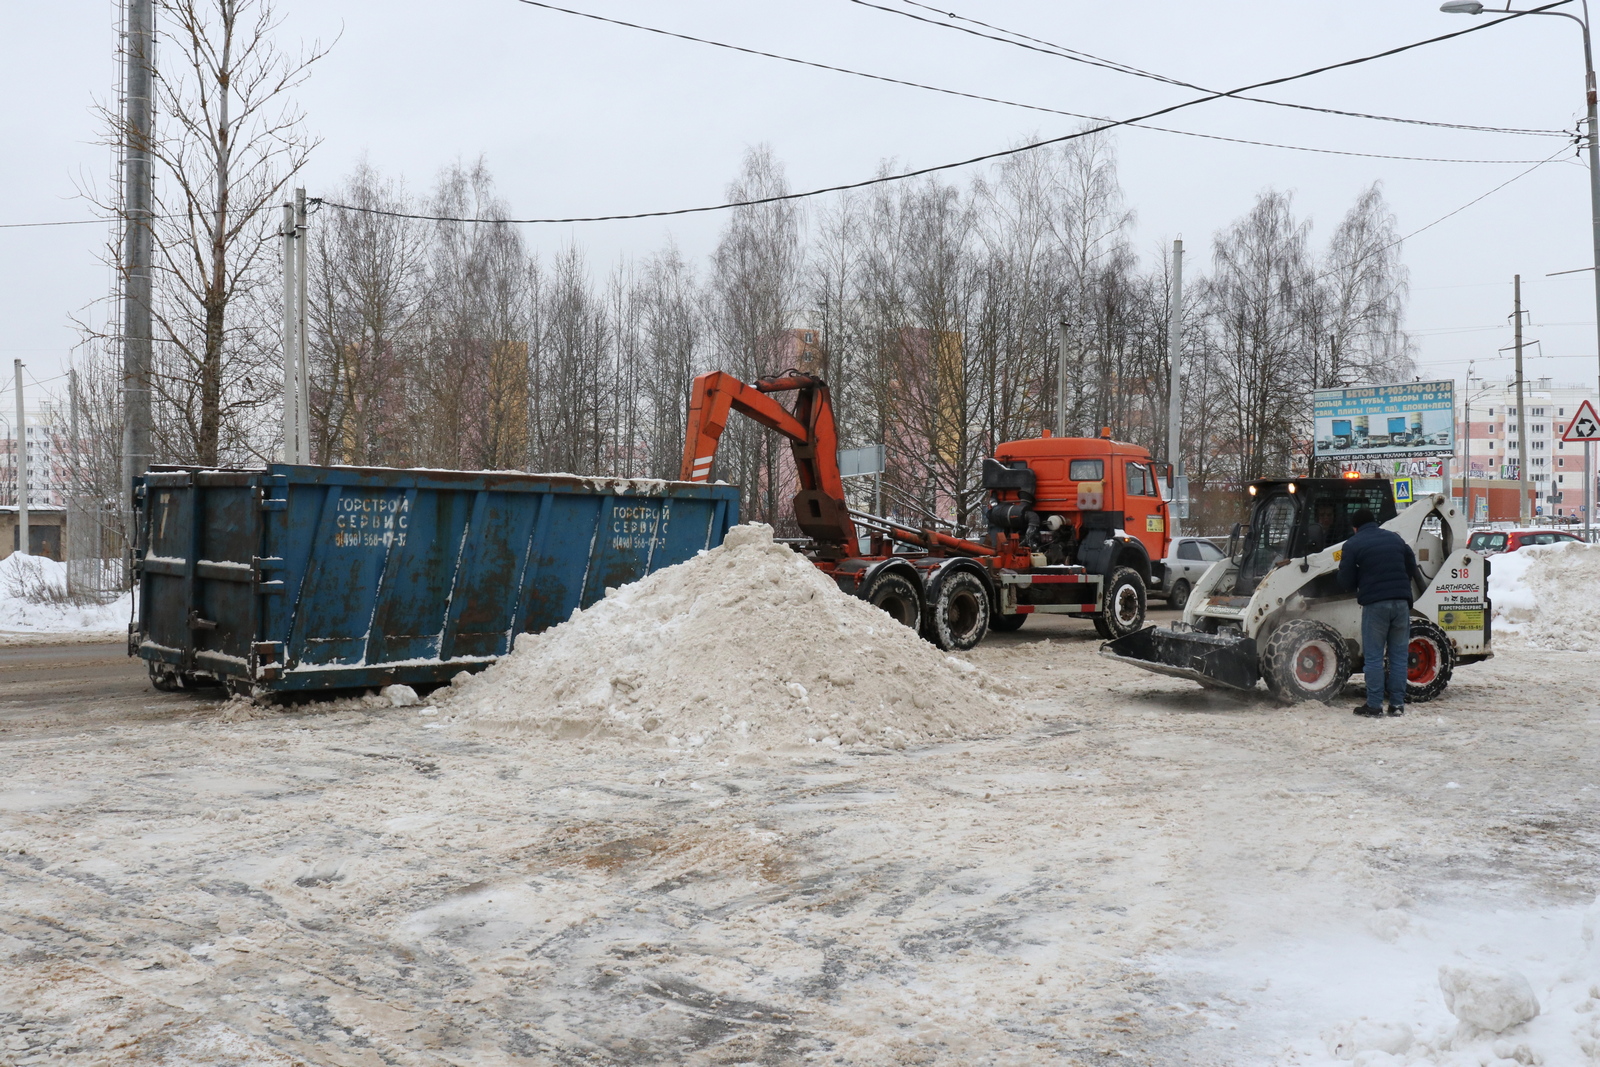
(1466, 456)
(71, 533)
(302, 241)
(1523, 516)
(138, 109)
(23, 543)
(1174, 394)
(1466, 465)
(1061, 383)
(291, 344)
(296, 376)
(1592, 148)
(77, 449)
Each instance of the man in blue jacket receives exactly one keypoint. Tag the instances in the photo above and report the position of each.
(1382, 569)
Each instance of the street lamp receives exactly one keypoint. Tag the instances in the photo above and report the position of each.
(1473, 7)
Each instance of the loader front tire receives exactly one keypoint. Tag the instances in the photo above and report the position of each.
(1305, 660)
(899, 596)
(1123, 612)
(1429, 663)
(960, 615)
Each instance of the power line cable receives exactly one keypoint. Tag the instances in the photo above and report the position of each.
(1061, 50)
(1076, 56)
(1441, 218)
(68, 222)
(88, 222)
(884, 179)
(994, 99)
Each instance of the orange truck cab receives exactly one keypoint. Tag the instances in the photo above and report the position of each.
(1081, 526)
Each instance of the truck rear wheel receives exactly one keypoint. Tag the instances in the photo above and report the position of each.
(1305, 660)
(1429, 663)
(960, 615)
(1123, 612)
(1004, 624)
(899, 596)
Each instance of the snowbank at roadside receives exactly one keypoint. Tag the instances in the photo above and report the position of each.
(1546, 594)
(1492, 1012)
(747, 646)
(33, 599)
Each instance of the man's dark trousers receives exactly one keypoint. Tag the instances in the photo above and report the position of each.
(1382, 569)
(1386, 627)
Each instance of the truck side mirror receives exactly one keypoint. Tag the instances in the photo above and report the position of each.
(1169, 477)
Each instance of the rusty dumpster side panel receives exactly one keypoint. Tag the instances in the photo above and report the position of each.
(310, 578)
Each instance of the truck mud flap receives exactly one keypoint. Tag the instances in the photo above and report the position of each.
(1206, 658)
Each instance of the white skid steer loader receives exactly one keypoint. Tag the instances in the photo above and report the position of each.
(1274, 611)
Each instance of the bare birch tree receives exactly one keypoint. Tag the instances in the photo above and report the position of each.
(228, 140)
(366, 298)
(934, 307)
(751, 298)
(473, 366)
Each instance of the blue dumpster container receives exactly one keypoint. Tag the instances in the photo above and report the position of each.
(294, 578)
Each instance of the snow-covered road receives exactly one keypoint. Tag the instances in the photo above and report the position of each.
(1151, 873)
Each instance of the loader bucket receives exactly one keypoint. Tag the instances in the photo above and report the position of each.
(1206, 658)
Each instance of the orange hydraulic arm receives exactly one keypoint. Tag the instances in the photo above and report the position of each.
(819, 505)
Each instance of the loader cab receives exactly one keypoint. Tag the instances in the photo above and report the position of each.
(1300, 517)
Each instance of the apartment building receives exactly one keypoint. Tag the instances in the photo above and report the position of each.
(49, 451)
(1487, 443)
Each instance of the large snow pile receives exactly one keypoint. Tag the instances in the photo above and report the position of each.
(34, 598)
(747, 646)
(1547, 594)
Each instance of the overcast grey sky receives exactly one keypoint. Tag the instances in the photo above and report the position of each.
(578, 118)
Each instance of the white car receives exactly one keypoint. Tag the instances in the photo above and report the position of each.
(1188, 558)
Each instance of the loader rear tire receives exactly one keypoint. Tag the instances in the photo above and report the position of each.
(960, 615)
(1430, 662)
(1305, 660)
(1123, 612)
(899, 596)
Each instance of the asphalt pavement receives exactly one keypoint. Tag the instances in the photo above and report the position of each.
(76, 684)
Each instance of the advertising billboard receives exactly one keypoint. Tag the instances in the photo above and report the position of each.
(1386, 421)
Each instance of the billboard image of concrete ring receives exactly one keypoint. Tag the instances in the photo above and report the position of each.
(1364, 421)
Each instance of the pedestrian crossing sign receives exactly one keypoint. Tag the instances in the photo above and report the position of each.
(1402, 491)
